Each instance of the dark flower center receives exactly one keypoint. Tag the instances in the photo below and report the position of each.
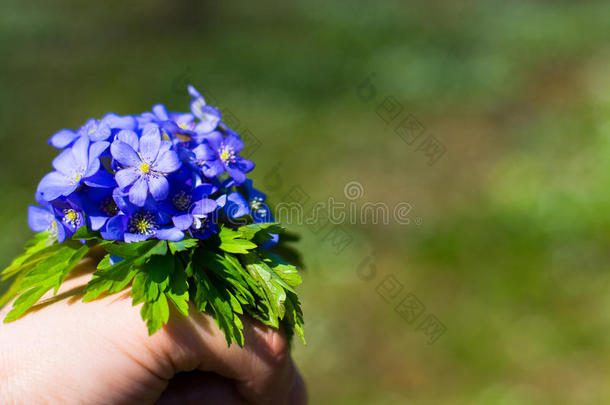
(109, 207)
(182, 200)
(142, 223)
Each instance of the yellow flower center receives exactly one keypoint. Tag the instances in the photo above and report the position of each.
(227, 154)
(71, 217)
(145, 167)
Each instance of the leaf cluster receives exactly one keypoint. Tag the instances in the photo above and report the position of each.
(228, 275)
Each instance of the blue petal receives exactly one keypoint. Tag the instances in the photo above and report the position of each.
(222, 200)
(242, 164)
(236, 174)
(61, 233)
(209, 116)
(124, 154)
(102, 133)
(97, 149)
(54, 185)
(158, 186)
(172, 234)
(80, 153)
(214, 139)
(63, 138)
(234, 143)
(150, 143)
(122, 201)
(252, 192)
(160, 112)
(183, 221)
(93, 168)
(97, 222)
(203, 207)
(212, 168)
(129, 137)
(101, 179)
(205, 152)
(138, 192)
(167, 163)
(135, 237)
(203, 190)
(39, 219)
(116, 121)
(127, 176)
(194, 92)
(115, 228)
(65, 163)
(236, 205)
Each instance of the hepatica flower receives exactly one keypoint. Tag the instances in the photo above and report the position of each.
(217, 154)
(72, 167)
(60, 219)
(166, 195)
(146, 163)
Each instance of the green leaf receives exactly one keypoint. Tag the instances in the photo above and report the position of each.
(285, 271)
(181, 301)
(231, 241)
(25, 302)
(178, 291)
(155, 313)
(160, 267)
(182, 245)
(114, 278)
(251, 230)
(221, 305)
(137, 249)
(273, 286)
(110, 279)
(49, 273)
(36, 249)
(85, 233)
(14, 273)
(294, 315)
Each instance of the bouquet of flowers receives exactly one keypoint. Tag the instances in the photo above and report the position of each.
(166, 196)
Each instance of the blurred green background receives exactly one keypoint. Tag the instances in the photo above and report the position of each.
(511, 252)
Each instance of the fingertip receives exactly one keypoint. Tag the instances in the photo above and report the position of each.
(274, 344)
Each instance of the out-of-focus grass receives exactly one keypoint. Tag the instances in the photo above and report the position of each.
(511, 255)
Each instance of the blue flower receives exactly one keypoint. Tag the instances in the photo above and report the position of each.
(61, 218)
(187, 205)
(94, 130)
(209, 116)
(136, 224)
(260, 211)
(73, 166)
(256, 202)
(145, 164)
(101, 207)
(217, 155)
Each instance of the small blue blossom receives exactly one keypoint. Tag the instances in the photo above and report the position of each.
(136, 224)
(61, 218)
(94, 130)
(145, 166)
(218, 154)
(209, 116)
(73, 166)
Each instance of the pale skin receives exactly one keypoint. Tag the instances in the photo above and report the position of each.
(69, 352)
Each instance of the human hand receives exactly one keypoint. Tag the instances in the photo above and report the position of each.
(99, 352)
